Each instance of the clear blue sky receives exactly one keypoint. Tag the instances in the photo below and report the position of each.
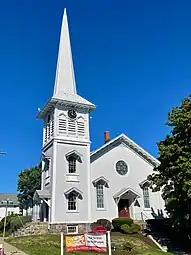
(132, 59)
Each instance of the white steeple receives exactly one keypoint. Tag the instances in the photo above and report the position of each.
(65, 86)
(65, 79)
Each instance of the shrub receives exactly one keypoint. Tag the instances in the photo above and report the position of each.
(160, 225)
(133, 229)
(18, 222)
(8, 219)
(94, 224)
(127, 247)
(136, 228)
(126, 229)
(102, 222)
(118, 222)
(14, 222)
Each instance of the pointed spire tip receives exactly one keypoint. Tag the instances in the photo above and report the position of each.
(65, 12)
(65, 79)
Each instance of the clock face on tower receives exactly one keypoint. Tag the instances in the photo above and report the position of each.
(72, 114)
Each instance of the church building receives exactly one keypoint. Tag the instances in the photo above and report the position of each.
(79, 186)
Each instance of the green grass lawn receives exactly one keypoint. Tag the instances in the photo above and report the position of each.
(50, 244)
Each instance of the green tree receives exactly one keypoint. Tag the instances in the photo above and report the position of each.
(173, 175)
(29, 180)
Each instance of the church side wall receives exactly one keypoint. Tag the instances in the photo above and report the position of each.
(138, 170)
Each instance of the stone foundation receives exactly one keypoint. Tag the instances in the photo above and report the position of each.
(40, 228)
(62, 227)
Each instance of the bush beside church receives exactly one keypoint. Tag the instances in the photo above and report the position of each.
(123, 225)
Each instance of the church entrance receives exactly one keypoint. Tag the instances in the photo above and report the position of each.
(123, 208)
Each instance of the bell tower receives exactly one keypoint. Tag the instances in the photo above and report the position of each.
(66, 144)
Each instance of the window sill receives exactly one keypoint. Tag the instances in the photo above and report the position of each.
(73, 233)
(146, 209)
(72, 211)
(72, 174)
(72, 181)
(72, 177)
(101, 209)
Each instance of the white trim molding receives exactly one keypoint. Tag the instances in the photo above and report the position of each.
(102, 180)
(74, 190)
(132, 145)
(125, 190)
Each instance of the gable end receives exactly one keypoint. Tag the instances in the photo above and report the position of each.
(123, 139)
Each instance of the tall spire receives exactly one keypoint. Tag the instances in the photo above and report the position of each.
(65, 79)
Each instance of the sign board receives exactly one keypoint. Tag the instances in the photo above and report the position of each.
(86, 242)
(96, 242)
(1, 249)
(75, 243)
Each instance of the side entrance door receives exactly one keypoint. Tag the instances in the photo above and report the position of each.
(123, 208)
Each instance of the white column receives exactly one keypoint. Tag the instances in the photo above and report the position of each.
(41, 210)
(33, 212)
(49, 214)
(38, 212)
(44, 212)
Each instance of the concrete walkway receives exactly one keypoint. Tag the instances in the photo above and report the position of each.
(11, 250)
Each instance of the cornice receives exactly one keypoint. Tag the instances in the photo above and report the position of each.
(53, 102)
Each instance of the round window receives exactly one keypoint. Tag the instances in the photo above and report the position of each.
(121, 167)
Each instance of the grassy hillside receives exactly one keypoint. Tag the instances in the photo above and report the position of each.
(50, 244)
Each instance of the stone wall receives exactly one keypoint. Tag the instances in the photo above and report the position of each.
(62, 227)
(32, 228)
(40, 228)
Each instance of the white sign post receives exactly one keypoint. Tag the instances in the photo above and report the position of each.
(109, 242)
(61, 243)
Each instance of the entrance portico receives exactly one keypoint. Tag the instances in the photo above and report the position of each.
(41, 208)
(124, 200)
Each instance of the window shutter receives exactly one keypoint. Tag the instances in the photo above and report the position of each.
(62, 124)
(81, 127)
(71, 126)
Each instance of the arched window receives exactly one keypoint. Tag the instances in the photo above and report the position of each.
(146, 198)
(72, 203)
(47, 168)
(100, 195)
(72, 165)
(72, 158)
(100, 184)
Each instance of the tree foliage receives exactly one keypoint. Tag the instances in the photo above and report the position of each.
(173, 175)
(29, 180)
